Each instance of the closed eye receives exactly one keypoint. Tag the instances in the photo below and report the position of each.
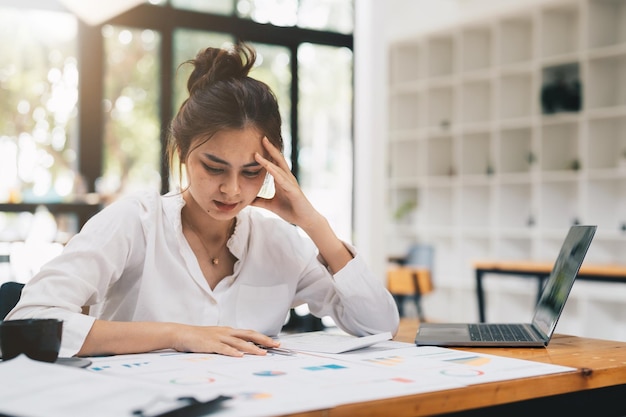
(252, 174)
(212, 170)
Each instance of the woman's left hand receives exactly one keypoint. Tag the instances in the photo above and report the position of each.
(289, 202)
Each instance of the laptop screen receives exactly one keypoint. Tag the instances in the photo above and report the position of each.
(558, 286)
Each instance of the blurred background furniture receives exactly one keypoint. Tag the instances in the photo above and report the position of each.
(411, 277)
(10, 293)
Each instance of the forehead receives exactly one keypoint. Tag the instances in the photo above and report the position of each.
(245, 141)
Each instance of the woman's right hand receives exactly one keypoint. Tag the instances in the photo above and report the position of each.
(223, 340)
(117, 338)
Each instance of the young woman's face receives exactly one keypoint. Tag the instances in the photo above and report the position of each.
(223, 175)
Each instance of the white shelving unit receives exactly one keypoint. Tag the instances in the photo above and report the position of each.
(482, 166)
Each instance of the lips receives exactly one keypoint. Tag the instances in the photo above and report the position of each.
(224, 206)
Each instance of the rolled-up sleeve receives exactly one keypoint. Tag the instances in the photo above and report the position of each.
(357, 301)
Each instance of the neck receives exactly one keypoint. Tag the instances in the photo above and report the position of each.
(211, 232)
(212, 244)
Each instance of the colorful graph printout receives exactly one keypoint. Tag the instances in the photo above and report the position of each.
(269, 373)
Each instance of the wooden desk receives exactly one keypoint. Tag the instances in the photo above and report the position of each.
(596, 388)
(540, 271)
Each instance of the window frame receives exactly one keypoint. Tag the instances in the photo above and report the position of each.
(165, 19)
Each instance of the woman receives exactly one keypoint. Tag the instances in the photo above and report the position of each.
(199, 270)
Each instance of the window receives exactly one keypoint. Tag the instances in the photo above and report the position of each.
(187, 43)
(38, 134)
(132, 148)
(39, 90)
(273, 68)
(325, 131)
(86, 108)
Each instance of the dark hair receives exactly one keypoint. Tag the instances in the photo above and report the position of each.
(222, 96)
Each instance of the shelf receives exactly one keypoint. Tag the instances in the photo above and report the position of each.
(510, 129)
(407, 159)
(516, 44)
(440, 160)
(477, 102)
(607, 82)
(606, 250)
(606, 23)
(516, 152)
(559, 147)
(515, 207)
(407, 63)
(513, 249)
(559, 205)
(441, 107)
(475, 206)
(560, 30)
(439, 206)
(606, 204)
(407, 111)
(476, 154)
(608, 147)
(404, 206)
(517, 95)
(476, 46)
(441, 52)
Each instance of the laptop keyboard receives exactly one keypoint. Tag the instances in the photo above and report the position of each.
(499, 332)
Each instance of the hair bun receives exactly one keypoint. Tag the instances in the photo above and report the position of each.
(213, 65)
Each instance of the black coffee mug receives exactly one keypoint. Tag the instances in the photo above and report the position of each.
(39, 339)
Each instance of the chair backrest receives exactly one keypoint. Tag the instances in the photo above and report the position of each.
(421, 254)
(10, 293)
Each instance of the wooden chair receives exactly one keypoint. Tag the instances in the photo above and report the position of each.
(411, 276)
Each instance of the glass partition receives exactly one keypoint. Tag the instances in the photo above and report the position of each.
(132, 125)
(325, 132)
(38, 109)
(273, 68)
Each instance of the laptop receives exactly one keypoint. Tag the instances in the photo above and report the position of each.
(547, 311)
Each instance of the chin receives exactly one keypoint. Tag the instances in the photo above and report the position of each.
(221, 214)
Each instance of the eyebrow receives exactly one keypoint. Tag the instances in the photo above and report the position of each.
(223, 162)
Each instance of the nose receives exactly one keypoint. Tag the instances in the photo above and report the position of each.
(230, 185)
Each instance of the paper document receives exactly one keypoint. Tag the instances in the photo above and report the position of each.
(257, 386)
(40, 389)
(328, 342)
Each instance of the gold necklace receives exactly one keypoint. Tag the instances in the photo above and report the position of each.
(215, 260)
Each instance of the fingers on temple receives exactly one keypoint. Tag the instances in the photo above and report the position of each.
(277, 156)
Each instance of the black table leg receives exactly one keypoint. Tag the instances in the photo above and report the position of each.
(481, 295)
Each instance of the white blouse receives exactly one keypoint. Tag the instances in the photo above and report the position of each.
(131, 262)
